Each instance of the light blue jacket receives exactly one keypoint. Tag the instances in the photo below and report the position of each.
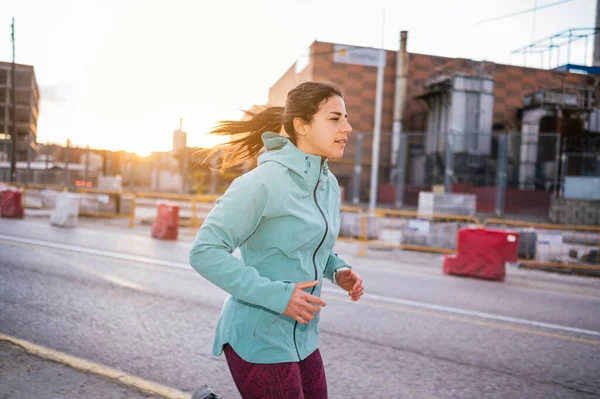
(285, 217)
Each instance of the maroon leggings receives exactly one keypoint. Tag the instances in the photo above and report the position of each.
(297, 380)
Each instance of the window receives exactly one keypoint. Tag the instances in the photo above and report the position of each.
(23, 79)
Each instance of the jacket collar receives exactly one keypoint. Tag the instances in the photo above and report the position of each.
(281, 150)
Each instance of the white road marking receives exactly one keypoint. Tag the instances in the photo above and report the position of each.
(373, 297)
(92, 251)
(482, 315)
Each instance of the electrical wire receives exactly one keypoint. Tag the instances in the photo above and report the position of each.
(523, 12)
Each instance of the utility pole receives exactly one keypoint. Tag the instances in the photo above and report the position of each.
(377, 127)
(533, 23)
(13, 82)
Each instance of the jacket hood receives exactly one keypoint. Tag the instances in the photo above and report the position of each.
(281, 150)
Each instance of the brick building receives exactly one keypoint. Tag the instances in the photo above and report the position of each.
(331, 62)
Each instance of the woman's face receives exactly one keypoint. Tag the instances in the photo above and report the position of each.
(326, 135)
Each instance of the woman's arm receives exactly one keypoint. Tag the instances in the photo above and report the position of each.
(234, 218)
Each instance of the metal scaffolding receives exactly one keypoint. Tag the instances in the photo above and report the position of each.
(551, 46)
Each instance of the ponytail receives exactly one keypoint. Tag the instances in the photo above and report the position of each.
(246, 136)
(303, 101)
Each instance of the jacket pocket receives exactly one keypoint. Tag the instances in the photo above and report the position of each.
(271, 325)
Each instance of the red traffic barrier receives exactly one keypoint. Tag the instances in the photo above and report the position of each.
(10, 204)
(483, 253)
(166, 225)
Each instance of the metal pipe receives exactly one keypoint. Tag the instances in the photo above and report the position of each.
(596, 59)
(377, 123)
(399, 99)
(449, 167)
(401, 171)
(29, 133)
(563, 171)
(569, 48)
(13, 82)
(501, 174)
(357, 169)
(557, 165)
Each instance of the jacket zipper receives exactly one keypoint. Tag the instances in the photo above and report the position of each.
(314, 255)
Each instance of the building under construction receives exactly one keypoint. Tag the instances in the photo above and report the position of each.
(27, 98)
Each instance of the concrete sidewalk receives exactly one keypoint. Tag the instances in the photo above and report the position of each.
(23, 375)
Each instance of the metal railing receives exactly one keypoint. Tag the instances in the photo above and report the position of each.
(554, 245)
(195, 204)
(540, 245)
(420, 232)
(122, 204)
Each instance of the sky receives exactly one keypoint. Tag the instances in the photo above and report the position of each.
(119, 74)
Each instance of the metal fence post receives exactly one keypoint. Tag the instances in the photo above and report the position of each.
(213, 176)
(158, 167)
(66, 156)
(557, 137)
(564, 158)
(449, 167)
(401, 168)
(87, 164)
(501, 173)
(357, 170)
(46, 179)
(132, 172)
(28, 172)
(184, 171)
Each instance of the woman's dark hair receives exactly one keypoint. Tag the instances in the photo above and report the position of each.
(303, 101)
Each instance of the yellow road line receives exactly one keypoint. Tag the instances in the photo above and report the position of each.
(469, 321)
(98, 369)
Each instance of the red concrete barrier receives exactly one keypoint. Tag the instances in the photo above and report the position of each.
(483, 253)
(166, 225)
(11, 204)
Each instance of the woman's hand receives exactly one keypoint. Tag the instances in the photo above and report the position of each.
(350, 281)
(302, 306)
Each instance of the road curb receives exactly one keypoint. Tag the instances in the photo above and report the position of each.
(98, 369)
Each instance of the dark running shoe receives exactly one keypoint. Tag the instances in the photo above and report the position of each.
(204, 392)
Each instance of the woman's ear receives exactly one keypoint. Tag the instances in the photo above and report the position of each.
(299, 127)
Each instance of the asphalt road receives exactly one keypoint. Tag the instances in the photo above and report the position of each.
(131, 303)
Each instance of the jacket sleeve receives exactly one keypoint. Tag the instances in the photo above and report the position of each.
(234, 218)
(334, 262)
